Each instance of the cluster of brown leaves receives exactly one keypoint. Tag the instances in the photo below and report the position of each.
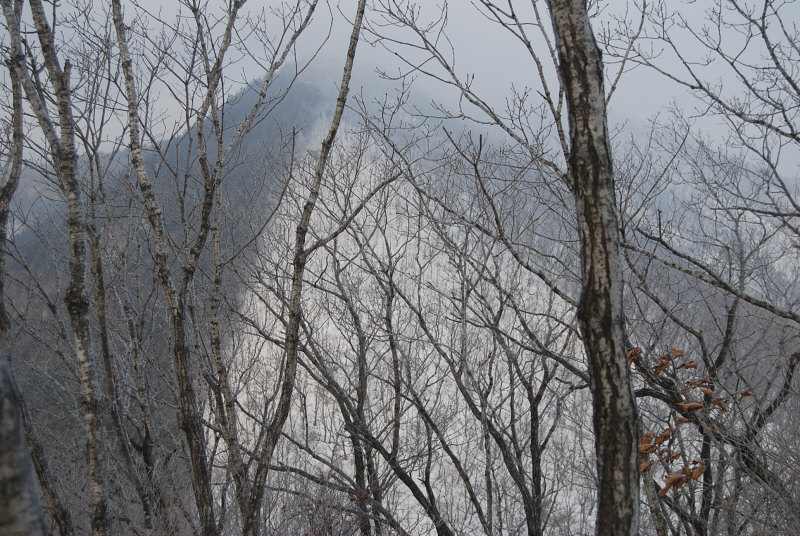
(704, 385)
(663, 363)
(664, 360)
(652, 445)
(657, 447)
(679, 478)
(633, 353)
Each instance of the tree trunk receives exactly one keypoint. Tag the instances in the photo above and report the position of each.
(600, 308)
(61, 145)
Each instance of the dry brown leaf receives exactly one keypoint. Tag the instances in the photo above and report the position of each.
(698, 471)
(672, 478)
(681, 482)
(647, 448)
(663, 436)
(633, 353)
(691, 406)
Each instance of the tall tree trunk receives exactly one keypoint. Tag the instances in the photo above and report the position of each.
(61, 144)
(600, 308)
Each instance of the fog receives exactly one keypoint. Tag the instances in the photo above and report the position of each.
(233, 306)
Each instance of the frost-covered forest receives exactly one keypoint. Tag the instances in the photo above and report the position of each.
(385, 268)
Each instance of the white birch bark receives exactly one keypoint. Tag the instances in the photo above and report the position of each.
(60, 138)
(249, 488)
(600, 308)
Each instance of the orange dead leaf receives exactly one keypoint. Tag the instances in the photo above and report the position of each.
(698, 471)
(633, 353)
(691, 406)
(672, 478)
(686, 476)
(663, 436)
(676, 353)
(702, 382)
(645, 466)
(682, 420)
(675, 456)
(647, 449)
(689, 364)
(648, 437)
(720, 403)
(667, 485)
(747, 393)
(707, 391)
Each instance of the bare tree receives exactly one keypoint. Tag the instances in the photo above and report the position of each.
(395, 320)
(600, 307)
(21, 512)
(585, 150)
(708, 264)
(61, 142)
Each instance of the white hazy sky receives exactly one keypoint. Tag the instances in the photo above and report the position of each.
(481, 49)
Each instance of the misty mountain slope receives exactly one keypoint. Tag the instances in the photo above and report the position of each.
(37, 269)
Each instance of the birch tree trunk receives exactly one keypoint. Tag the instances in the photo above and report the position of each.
(600, 307)
(59, 133)
(249, 478)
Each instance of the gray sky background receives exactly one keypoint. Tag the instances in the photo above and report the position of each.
(495, 59)
(481, 49)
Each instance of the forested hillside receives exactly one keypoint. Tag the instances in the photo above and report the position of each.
(427, 294)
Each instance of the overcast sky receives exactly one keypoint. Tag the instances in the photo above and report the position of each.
(481, 49)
